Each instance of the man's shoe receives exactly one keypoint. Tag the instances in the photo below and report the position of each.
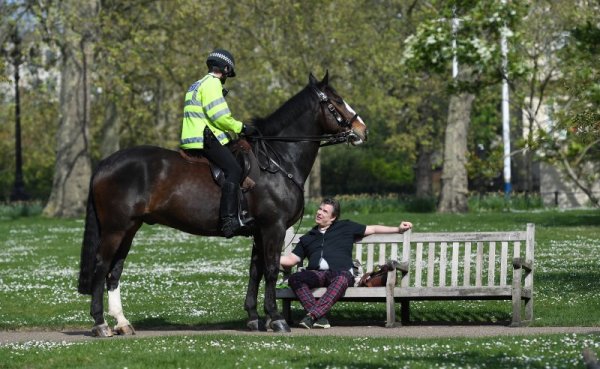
(307, 322)
(322, 323)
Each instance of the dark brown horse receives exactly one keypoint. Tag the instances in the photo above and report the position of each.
(154, 185)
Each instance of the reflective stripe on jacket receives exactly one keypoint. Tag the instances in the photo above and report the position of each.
(206, 106)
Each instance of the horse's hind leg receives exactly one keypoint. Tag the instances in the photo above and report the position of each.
(109, 243)
(115, 308)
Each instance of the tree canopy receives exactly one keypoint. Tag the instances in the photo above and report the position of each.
(390, 59)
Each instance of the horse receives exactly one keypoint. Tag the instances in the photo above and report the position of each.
(149, 184)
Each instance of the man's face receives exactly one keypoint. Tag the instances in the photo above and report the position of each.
(324, 216)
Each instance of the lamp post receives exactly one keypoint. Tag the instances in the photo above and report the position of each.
(505, 111)
(18, 193)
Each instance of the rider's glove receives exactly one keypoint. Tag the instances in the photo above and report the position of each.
(249, 130)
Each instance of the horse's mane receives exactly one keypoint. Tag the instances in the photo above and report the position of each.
(285, 115)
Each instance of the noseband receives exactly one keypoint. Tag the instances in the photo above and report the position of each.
(324, 99)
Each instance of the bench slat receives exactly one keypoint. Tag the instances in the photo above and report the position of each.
(443, 263)
(503, 263)
(430, 264)
(432, 292)
(419, 264)
(370, 253)
(467, 262)
(478, 264)
(382, 254)
(492, 263)
(471, 236)
(454, 275)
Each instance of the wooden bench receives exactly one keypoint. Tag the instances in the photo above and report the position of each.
(441, 266)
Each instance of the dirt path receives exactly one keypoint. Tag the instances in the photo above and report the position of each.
(424, 331)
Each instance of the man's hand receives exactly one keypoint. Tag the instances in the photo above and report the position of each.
(404, 226)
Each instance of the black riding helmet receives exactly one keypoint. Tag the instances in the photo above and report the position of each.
(223, 60)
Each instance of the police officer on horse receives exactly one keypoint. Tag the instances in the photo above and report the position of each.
(208, 127)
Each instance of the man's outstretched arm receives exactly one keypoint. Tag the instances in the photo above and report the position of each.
(373, 229)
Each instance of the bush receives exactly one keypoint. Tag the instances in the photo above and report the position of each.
(9, 211)
(497, 201)
(374, 203)
(367, 203)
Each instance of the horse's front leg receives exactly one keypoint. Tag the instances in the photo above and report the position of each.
(272, 253)
(256, 274)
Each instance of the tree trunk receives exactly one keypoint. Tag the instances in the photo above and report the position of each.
(454, 174)
(73, 164)
(423, 174)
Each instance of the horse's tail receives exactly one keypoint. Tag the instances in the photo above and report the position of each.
(91, 242)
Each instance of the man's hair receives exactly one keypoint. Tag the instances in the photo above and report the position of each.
(336, 206)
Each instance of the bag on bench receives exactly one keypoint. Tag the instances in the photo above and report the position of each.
(378, 277)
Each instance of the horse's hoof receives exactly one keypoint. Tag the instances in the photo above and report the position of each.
(256, 325)
(280, 326)
(102, 330)
(124, 330)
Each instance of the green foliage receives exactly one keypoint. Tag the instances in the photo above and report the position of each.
(390, 60)
(499, 202)
(11, 211)
(488, 202)
(477, 36)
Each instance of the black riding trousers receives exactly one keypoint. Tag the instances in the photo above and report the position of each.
(222, 157)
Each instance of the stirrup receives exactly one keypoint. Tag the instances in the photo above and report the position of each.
(230, 226)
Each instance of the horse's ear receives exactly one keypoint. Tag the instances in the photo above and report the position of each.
(325, 80)
(311, 79)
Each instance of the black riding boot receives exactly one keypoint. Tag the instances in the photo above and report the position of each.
(230, 223)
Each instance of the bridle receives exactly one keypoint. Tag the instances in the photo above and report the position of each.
(324, 100)
(325, 139)
(274, 165)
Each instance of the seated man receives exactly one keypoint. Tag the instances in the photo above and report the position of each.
(328, 248)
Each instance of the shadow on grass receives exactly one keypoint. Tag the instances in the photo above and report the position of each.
(472, 358)
(578, 282)
(562, 219)
(160, 324)
(423, 316)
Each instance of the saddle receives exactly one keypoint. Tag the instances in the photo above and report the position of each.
(242, 151)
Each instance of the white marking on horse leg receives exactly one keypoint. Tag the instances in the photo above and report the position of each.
(115, 309)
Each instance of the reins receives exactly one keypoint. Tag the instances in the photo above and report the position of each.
(329, 139)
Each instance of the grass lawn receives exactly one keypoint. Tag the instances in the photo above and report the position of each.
(173, 279)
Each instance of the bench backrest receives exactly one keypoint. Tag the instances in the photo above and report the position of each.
(470, 259)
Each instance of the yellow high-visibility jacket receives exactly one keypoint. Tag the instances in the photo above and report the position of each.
(204, 106)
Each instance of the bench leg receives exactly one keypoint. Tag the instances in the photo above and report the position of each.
(391, 311)
(529, 310)
(516, 298)
(405, 311)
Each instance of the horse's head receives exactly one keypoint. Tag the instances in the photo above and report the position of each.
(338, 116)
